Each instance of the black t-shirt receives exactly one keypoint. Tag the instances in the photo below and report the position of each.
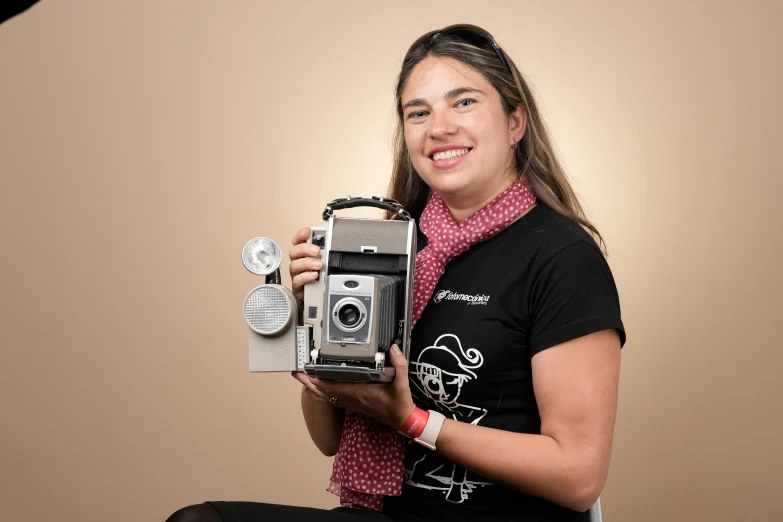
(538, 283)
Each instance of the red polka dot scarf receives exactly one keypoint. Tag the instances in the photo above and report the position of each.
(370, 461)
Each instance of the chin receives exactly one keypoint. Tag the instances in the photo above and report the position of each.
(454, 188)
(448, 183)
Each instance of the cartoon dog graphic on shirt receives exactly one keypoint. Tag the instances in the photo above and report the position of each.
(440, 371)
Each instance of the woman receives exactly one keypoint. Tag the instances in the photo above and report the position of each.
(511, 384)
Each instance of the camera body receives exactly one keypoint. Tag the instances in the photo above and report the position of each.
(359, 305)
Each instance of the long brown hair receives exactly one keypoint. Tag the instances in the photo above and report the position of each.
(535, 154)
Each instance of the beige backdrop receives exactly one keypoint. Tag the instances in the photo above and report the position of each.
(143, 143)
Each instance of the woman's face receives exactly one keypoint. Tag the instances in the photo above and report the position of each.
(459, 138)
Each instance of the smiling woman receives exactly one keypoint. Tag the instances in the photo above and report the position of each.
(459, 139)
(510, 389)
(471, 50)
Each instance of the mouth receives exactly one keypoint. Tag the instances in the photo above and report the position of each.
(449, 158)
(449, 154)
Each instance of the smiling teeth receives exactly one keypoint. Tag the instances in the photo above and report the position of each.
(440, 156)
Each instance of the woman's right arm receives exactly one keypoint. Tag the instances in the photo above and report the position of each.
(324, 421)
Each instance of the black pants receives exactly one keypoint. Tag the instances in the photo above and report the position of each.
(259, 512)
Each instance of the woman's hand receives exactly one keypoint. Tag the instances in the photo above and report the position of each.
(390, 403)
(309, 388)
(305, 262)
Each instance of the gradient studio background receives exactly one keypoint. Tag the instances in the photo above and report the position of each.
(143, 143)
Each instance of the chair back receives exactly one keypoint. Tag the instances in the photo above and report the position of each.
(595, 511)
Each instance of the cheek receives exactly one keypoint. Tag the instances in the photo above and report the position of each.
(413, 139)
(486, 126)
(485, 132)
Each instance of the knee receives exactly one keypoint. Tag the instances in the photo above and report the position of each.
(196, 513)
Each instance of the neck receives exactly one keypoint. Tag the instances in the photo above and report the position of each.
(462, 206)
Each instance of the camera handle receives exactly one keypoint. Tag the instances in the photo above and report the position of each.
(383, 203)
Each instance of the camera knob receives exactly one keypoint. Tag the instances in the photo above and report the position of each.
(319, 239)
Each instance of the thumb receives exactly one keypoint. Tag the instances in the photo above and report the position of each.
(399, 362)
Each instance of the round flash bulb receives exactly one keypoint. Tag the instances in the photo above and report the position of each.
(261, 256)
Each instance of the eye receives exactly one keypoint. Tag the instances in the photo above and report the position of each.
(433, 385)
(459, 380)
(466, 102)
(416, 115)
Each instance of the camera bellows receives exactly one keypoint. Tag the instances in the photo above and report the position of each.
(268, 310)
(392, 294)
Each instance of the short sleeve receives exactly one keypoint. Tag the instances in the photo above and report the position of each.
(573, 295)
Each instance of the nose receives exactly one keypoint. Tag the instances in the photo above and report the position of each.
(442, 125)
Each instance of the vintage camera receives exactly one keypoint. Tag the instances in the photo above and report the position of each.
(352, 314)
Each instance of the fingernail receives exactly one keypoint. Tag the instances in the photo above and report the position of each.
(396, 350)
(318, 265)
(314, 250)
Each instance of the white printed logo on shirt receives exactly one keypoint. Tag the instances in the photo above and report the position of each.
(470, 299)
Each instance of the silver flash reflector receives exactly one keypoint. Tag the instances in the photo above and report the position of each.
(261, 256)
(275, 342)
(269, 309)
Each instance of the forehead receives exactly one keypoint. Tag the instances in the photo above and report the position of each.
(434, 76)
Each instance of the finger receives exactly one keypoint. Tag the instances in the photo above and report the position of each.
(304, 264)
(301, 236)
(400, 364)
(298, 281)
(319, 384)
(303, 250)
(302, 377)
(317, 397)
(344, 391)
(315, 391)
(305, 379)
(329, 388)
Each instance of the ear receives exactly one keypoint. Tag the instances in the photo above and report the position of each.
(517, 123)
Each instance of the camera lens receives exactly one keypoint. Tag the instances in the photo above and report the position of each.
(349, 315)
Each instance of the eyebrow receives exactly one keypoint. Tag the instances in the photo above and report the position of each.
(459, 91)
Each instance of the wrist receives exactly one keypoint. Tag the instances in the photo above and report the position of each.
(414, 424)
(423, 427)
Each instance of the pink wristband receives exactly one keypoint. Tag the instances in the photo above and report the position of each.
(415, 423)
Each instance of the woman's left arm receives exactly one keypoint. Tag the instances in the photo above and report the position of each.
(576, 389)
